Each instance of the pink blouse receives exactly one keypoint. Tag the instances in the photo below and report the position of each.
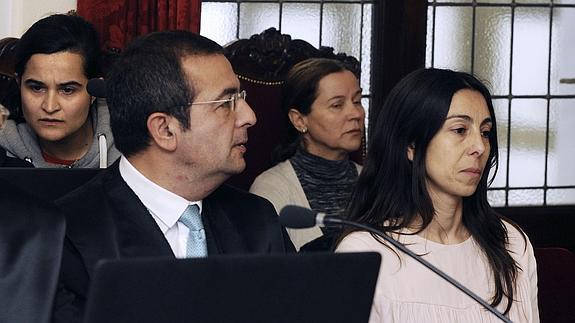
(406, 291)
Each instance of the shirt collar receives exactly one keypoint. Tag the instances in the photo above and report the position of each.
(165, 205)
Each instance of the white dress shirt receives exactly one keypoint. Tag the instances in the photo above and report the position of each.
(164, 206)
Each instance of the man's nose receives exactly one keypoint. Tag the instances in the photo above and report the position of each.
(245, 115)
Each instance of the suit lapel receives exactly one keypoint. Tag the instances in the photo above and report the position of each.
(222, 236)
(138, 233)
(114, 224)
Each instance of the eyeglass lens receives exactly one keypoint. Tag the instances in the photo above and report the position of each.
(241, 95)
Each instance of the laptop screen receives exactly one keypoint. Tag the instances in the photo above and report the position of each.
(47, 183)
(318, 287)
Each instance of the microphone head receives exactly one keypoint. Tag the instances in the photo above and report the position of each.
(96, 87)
(297, 217)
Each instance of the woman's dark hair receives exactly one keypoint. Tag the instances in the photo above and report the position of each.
(53, 34)
(391, 192)
(60, 33)
(299, 92)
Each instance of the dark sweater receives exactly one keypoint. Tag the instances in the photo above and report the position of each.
(327, 185)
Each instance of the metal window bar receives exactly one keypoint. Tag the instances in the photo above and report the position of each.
(433, 37)
(238, 7)
(281, 3)
(473, 22)
(548, 101)
(507, 161)
(511, 4)
(292, 1)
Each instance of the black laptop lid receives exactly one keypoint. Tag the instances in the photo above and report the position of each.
(281, 288)
(47, 183)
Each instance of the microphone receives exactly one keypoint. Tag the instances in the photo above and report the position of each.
(297, 217)
(96, 87)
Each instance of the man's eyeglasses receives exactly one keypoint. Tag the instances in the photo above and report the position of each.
(232, 101)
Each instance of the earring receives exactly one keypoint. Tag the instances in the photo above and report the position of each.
(304, 130)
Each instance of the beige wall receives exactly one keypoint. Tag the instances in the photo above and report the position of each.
(17, 15)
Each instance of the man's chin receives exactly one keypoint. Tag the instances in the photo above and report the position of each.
(237, 168)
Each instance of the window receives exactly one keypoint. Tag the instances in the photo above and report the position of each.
(524, 50)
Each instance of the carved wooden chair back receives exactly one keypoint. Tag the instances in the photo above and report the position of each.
(9, 93)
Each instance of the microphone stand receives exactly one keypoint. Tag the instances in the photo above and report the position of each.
(326, 220)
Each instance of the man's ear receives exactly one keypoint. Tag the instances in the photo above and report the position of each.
(298, 120)
(163, 130)
(410, 151)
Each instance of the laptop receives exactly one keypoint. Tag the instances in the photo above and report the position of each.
(315, 287)
(47, 183)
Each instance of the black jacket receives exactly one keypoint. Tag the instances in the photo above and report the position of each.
(31, 237)
(106, 220)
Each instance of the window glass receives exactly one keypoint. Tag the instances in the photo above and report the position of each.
(563, 52)
(501, 107)
(530, 51)
(452, 47)
(561, 196)
(492, 46)
(366, 50)
(496, 198)
(429, 41)
(525, 197)
(533, 1)
(257, 17)
(222, 31)
(527, 153)
(341, 26)
(561, 156)
(301, 21)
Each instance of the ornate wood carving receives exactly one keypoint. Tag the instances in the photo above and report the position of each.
(8, 87)
(268, 56)
(8, 56)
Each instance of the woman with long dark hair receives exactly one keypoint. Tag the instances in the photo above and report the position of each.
(425, 184)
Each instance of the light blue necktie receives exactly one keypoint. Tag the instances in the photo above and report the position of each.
(192, 219)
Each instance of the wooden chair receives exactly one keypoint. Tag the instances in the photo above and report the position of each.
(262, 63)
(9, 96)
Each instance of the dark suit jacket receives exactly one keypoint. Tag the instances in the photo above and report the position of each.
(31, 237)
(106, 220)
